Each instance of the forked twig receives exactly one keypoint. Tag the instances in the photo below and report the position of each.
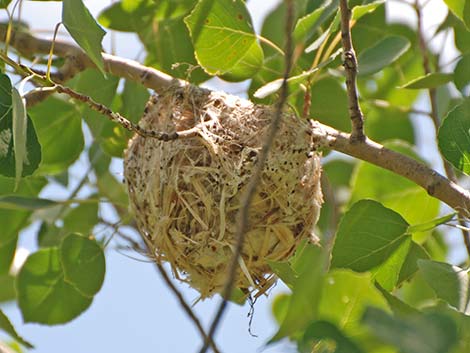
(350, 68)
(247, 197)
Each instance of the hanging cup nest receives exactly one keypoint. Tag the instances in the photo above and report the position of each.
(186, 193)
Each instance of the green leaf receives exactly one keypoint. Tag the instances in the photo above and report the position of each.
(454, 137)
(284, 271)
(398, 307)
(133, 99)
(82, 218)
(321, 330)
(20, 121)
(382, 54)
(431, 224)
(6, 326)
(431, 80)
(419, 333)
(7, 251)
(12, 220)
(31, 156)
(344, 298)
(368, 234)
(25, 203)
(84, 30)
(223, 38)
(451, 283)
(293, 81)
(410, 266)
(43, 294)
(4, 4)
(102, 90)
(309, 24)
(306, 293)
(7, 288)
(120, 17)
(461, 9)
(462, 73)
(388, 273)
(395, 192)
(84, 264)
(329, 104)
(59, 128)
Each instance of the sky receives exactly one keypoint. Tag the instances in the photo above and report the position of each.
(135, 311)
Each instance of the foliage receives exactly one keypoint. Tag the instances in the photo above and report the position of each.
(361, 291)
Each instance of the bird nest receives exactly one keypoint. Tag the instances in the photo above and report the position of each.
(186, 193)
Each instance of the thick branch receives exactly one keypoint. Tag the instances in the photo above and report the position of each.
(350, 67)
(434, 183)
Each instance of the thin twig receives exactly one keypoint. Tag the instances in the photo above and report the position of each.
(119, 119)
(435, 115)
(350, 67)
(186, 307)
(247, 197)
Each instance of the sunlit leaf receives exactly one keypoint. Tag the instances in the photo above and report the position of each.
(292, 81)
(454, 137)
(224, 40)
(461, 9)
(368, 234)
(83, 263)
(382, 54)
(309, 24)
(6, 326)
(43, 294)
(431, 224)
(83, 28)
(344, 298)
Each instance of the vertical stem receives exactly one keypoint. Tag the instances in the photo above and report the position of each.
(350, 67)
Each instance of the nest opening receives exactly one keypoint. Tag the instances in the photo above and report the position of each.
(186, 193)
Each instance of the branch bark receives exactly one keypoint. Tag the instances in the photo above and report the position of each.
(434, 183)
(350, 67)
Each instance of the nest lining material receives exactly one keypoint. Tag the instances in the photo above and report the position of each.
(185, 194)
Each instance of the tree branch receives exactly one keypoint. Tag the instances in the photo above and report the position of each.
(350, 67)
(434, 183)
